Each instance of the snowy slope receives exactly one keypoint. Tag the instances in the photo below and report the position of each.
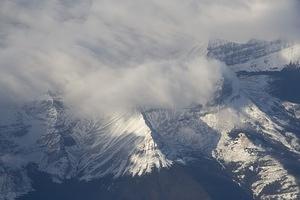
(255, 55)
(245, 129)
(67, 147)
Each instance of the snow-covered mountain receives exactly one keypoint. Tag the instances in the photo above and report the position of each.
(250, 132)
(255, 55)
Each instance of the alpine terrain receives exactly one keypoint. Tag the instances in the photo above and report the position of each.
(244, 144)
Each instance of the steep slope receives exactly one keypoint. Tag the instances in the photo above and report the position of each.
(249, 148)
(46, 134)
(255, 55)
(259, 135)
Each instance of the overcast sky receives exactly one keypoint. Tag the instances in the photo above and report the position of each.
(116, 54)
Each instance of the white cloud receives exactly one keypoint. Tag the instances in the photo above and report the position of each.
(124, 53)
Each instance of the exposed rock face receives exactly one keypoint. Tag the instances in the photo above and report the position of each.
(255, 55)
(234, 53)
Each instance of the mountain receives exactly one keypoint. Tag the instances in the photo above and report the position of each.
(245, 141)
(255, 55)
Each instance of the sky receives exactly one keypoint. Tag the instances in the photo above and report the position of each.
(105, 55)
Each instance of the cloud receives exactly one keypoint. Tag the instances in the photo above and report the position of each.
(149, 85)
(106, 54)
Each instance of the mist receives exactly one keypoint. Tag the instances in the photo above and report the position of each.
(105, 55)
